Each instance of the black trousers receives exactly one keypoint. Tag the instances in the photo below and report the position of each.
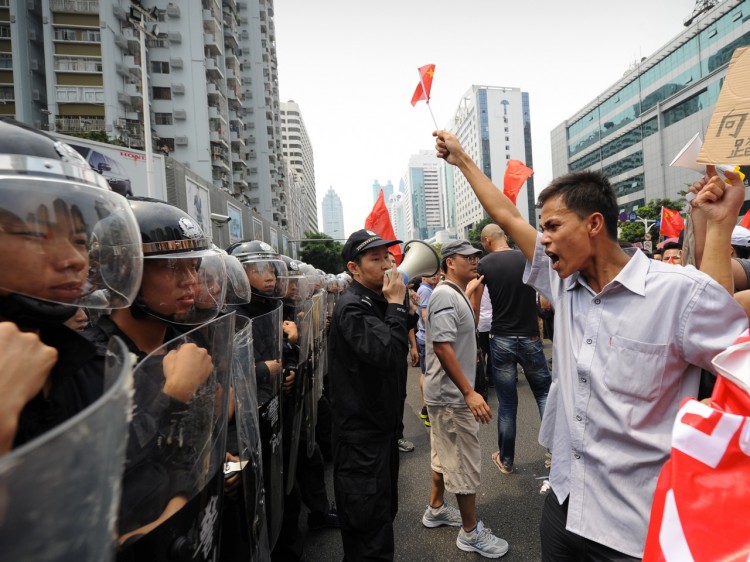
(560, 545)
(365, 479)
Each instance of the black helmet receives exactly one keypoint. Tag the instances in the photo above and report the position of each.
(264, 267)
(66, 240)
(184, 279)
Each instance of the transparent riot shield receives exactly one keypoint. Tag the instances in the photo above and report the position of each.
(248, 434)
(317, 315)
(295, 415)
(174, 480)
(59, 493)
(267, 344)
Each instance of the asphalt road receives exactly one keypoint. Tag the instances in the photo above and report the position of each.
(509, 504)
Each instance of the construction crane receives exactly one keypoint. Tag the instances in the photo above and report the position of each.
(701, 6)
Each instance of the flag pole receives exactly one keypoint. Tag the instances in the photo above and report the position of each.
(432, 115)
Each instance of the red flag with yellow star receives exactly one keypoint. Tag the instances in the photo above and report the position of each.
(671, 223)
(422, 92)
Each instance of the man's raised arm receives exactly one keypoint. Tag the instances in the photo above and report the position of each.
(495, 202)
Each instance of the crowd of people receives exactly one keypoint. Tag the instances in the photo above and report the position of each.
(210, 365)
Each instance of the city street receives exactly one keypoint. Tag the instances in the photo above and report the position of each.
(509, 504)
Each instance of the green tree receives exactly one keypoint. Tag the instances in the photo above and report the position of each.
(325, 255)
(475, 234)
(634, 231)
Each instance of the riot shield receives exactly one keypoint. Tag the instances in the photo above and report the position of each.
(173, 483)
(267, 344)
(248, 433)
(59, 493)
(302, 316)
(315, 379)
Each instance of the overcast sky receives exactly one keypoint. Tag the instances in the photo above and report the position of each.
(352, 68)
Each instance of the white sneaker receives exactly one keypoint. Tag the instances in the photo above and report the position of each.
(443, 515)
(482, 540)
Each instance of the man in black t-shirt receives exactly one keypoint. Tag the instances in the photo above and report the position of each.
(514, 338)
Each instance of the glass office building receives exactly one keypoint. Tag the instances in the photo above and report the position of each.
(632, 131)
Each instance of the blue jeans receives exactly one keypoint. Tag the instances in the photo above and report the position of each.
(506, 353)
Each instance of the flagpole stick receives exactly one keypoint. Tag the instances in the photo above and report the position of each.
(433, 116)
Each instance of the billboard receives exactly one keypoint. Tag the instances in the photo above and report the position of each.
(197, 204)
(235, 223)
(123, 168)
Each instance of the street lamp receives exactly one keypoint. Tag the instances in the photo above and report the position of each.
(138, 17)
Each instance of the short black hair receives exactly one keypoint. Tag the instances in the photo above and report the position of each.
(584, 193)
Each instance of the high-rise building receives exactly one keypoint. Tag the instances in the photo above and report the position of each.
(333, 215)
(422, 203)
(387, 190)
(298, 152)
(493, 125)
(74, 66)
(634, 129)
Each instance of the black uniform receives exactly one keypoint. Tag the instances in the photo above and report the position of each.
(157, 466)
(368, 345)
(76, 383)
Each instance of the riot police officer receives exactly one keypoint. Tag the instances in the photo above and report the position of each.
(66, 241)
(177, 438)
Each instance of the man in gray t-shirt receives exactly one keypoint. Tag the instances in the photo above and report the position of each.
(455, 408)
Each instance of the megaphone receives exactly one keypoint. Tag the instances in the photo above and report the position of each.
(420, 260)
(687, 157)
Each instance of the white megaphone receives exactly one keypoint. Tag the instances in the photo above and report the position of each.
(687, 157)
(420, 260)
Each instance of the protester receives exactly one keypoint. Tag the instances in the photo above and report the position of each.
(368, 344)
(404, 445)
(514, 338)
(424, 291)
(631, 338)
(455, 408)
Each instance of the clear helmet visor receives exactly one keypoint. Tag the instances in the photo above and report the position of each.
(298, 289)
(268, 277)
(187, 288)
(238, 284)
(66, 242)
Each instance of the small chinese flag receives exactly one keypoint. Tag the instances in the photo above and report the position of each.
(746, 220)
(671, 223)
(422, 92)
(379, 221)
(516, 173)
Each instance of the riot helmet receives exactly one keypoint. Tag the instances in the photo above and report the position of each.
(66, 239)
(264, 268)
(238, 285)
(298, 286)
(184, 279)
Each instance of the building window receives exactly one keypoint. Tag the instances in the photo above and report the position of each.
(163, 118)
(162, 93)
(5, 31)
(91, 36)
(6, 93)
(159, 67)
(6, 60)
(65, 34)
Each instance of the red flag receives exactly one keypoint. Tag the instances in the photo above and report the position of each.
(422, 92)
(379, 221)
(516, 173)
(671, 223)
(746, 220)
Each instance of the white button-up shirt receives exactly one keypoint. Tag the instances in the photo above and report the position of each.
(624, 359)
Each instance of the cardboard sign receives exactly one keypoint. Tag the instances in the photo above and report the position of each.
(728, 136)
